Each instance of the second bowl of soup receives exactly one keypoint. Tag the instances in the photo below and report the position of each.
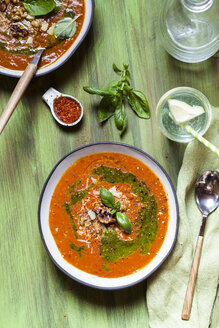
(108, 215)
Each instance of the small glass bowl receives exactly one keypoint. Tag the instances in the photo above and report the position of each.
(165, 120)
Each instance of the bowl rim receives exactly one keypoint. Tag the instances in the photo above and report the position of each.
(176, 207)
(59, 61)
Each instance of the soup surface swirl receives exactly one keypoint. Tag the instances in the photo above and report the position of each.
(88, 235)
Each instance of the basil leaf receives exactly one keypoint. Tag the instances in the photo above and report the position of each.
(120, 117)
(139, 103)
(116, 69)
(124, 222)
(124, 125)
(113, 87)
(96, 91)
(117, 206)
(107, 197)
(128, 73)
(65, 28)
(39, 7)
(105, 109)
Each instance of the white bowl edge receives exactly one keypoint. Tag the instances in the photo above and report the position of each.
(50, 245)
(89, 12)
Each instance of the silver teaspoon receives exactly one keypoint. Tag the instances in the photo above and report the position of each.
(207, 199)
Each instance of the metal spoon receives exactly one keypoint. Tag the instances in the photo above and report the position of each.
(207, 199)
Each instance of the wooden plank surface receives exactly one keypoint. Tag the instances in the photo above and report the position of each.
(33, 292)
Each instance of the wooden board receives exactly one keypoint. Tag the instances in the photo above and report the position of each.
(33, 292)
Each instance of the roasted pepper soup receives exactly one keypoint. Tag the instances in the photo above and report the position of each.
(22, 35)
(88, 235)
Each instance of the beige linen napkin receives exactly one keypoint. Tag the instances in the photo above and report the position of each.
(167, 287)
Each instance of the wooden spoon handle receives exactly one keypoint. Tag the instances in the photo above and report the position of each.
(191, 285)
(17, 94)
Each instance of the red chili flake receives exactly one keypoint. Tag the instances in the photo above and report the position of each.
(67, 109)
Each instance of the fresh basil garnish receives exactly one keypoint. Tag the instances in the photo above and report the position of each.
(39, 7)
(116, 69)
(99, 92)
(139, 103)
(107, 197)
(117, 206)
(120, 117)
(106, 109)
(109, 201)
(113, 86)
(65, 28)
(124, 222)
(114, 98)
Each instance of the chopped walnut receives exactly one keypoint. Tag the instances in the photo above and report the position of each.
(35, 23)
(3, 5)
(17, 13)
(18, 30)
(104, 216)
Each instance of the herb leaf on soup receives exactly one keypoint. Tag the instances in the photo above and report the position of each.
(109, 201)
(124, 222)
(104, 233)
(65, 28)
(39, 7)
(107, 197)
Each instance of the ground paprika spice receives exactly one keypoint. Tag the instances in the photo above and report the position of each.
(67, 109)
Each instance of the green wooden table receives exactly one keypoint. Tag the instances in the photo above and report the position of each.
(33, 292)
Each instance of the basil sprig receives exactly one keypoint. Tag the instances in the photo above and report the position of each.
(115, 96)
(109, 201)
(39, 7)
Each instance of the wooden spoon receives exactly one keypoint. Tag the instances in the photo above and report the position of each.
(19, 89)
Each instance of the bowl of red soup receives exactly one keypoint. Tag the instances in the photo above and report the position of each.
(108, 215)
(27, 26)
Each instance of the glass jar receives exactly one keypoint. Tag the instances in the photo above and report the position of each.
(175, 131)
(189, 29)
